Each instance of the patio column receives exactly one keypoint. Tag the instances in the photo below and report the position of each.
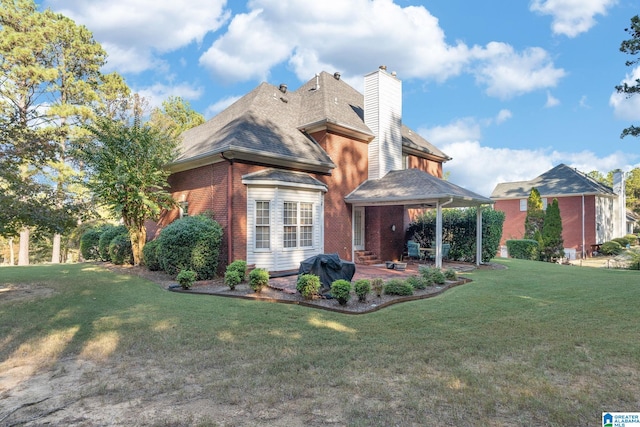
(438, 235)
(479, 235)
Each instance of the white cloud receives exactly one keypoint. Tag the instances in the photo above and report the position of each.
(409, 40)
(158, 93)
(214, 109)
(572, 17)
(503, 116)
(135, 31)
(480, 168)
(507, 73)
(551, 101)
(627, 108)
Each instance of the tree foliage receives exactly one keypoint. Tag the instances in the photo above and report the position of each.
(631, 47)
(125, 166)
(175, 116)
(552, 242)
(535, 216)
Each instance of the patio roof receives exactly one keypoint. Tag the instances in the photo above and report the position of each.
(413, 188)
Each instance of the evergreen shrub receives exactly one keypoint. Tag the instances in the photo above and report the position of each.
(308, 285)
(523, 249)
(258, 279)
(341, 291)
(150, 255)
(611, 248)
(120, 249)
(398, 287)
(109, 232)
(362, 288)
(89, 243)
(191, 243)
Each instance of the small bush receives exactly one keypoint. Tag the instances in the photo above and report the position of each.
(611, 248)
(417, 282)
(622, 241)
(186, 278)
(120, 249)
(632, 239)
(432, 275)
(450, 274)
(362, 288)
(258, 279)
(377, 285)
(232, 278)
(308, 285)
(239, 266)
(398, 287)
(109, 232)
(341, 291)
(150, 255)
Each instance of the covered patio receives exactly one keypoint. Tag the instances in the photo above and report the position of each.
(416, 189)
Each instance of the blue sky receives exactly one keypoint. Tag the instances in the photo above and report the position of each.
(509, 89)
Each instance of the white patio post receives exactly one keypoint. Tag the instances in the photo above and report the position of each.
(479, 235)
(438, 235)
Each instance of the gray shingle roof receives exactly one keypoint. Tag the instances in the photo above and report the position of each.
(267, 123)
(562, 180)
(413, 187)
(283, 176)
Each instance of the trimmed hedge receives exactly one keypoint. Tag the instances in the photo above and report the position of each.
(109, 232)
(191, 243)
(150, 255)
(120, 249)
(524, 249)
(611, 248)
(459, 229)
(89, 244)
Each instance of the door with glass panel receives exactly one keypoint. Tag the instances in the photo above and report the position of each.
(358, 228)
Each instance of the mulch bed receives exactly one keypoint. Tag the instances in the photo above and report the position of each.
(282, 289)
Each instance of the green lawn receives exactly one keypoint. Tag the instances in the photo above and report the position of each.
(536, 344)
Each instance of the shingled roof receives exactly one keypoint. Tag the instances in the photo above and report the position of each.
(413, 187)
(562, 180)
(270, 125)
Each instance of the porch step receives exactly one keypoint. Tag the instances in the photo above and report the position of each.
(366, 258)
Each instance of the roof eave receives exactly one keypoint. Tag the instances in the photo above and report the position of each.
(335, 126)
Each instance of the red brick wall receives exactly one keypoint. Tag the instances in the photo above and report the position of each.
(429, 166)
(571, 213)
(351, 160)
(379, 236)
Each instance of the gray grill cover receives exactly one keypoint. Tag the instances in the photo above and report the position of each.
(329, 267)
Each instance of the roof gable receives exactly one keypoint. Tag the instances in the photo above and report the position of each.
(561, 180)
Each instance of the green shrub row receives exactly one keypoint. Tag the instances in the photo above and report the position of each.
(107, 243)
(459, 230)
(523, 249)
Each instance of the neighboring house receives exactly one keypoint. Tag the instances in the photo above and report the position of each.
(592, 213)
(322, 169)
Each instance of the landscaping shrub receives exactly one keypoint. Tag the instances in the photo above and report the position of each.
(240, 266)
(523, 249)
(611, 248)
(632, 239)
(362, 288)
(451, 274)
(308, 285)
(89, 243)
(186, 278)
(341, 291)
(398, 287)
(417, 282)
(191, 243)
(232, 278)
(622, 241)
(120, 249)
(432, 275)
(377, 285)
(258, 279)
(150, 255)
(109, 232)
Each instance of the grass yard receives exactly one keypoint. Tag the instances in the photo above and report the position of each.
(536, 344)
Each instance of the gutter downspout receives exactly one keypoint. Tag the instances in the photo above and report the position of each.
(583, 250)
(479, 235)
(229, 209)
(439, 231)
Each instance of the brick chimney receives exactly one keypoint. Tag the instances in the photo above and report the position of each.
(383, 115)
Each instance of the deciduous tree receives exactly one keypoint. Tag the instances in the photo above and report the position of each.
(631, 47)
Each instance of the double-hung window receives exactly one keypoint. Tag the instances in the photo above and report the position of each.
(298, 224)
(263, 225)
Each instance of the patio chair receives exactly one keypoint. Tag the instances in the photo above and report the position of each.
(413, 250)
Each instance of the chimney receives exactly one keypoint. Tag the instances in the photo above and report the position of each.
(383, 115)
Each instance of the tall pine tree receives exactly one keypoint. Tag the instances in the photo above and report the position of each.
(552, 242)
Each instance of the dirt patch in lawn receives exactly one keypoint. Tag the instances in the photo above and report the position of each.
(14, 292)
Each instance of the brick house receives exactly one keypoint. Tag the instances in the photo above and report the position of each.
(322, 169)
(592, 213)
